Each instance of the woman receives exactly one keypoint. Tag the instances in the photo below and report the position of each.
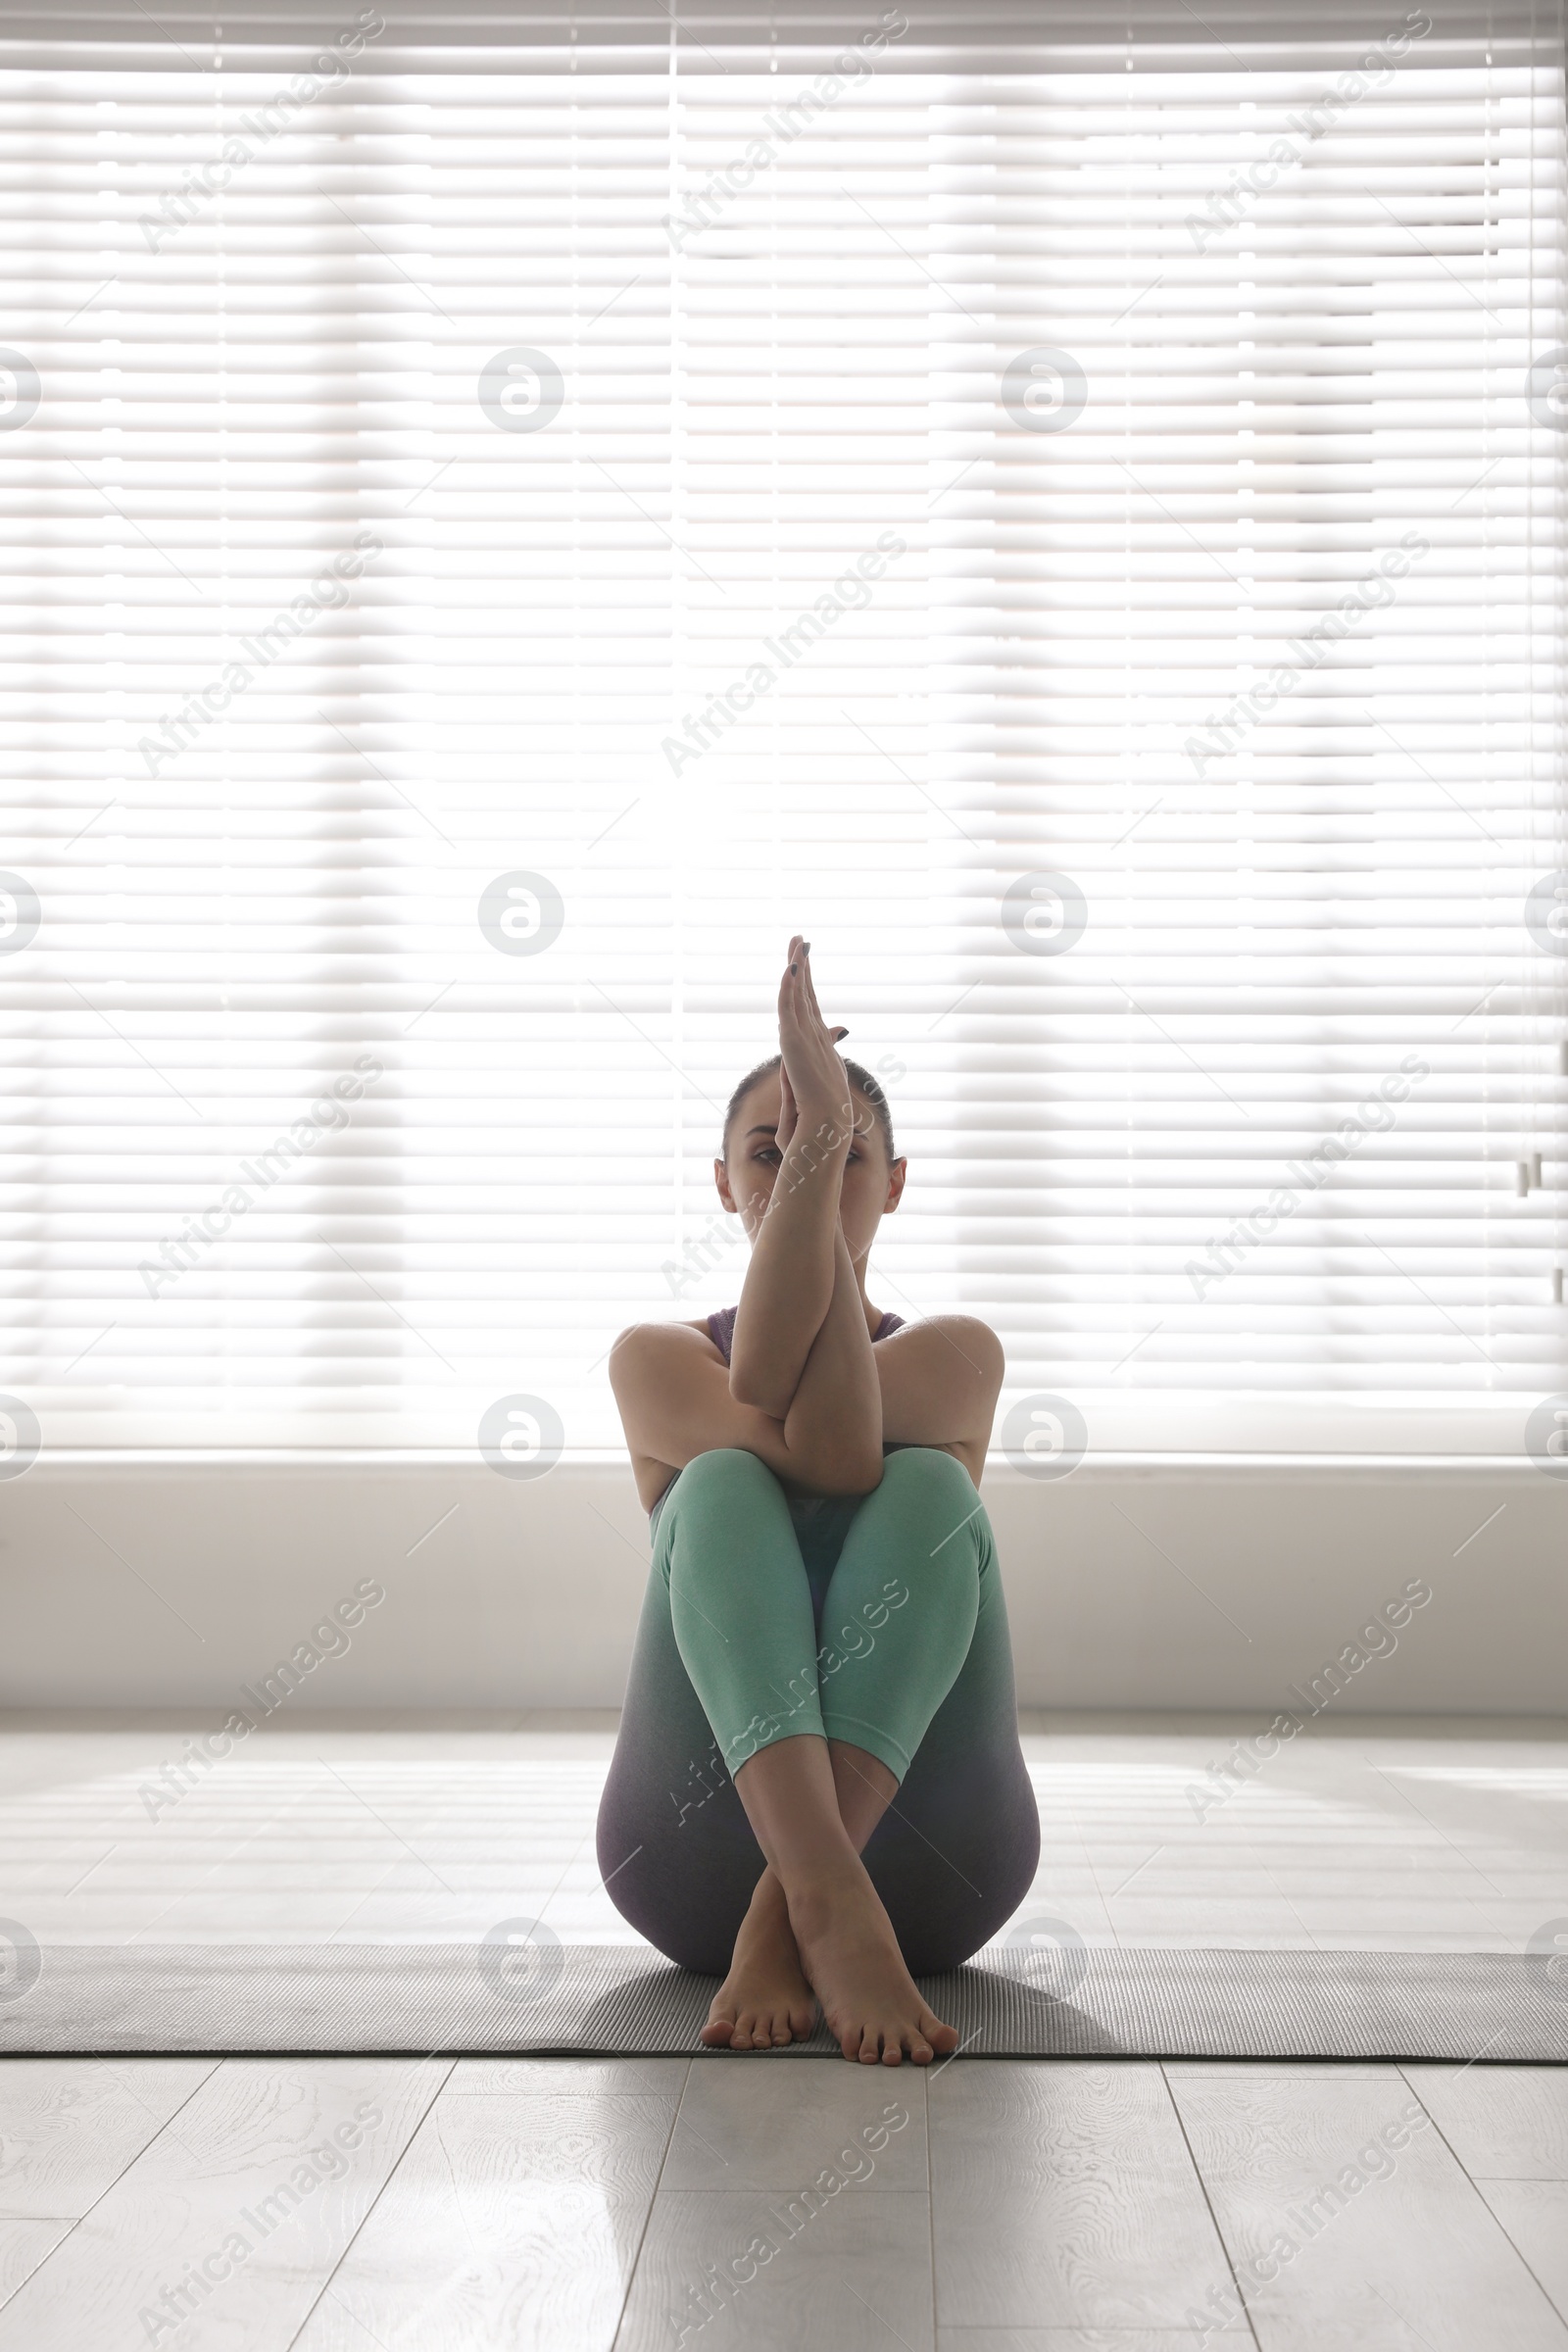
(822, 1668)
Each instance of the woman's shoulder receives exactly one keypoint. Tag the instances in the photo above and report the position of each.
(700, 1323)
(939, 1321)
(634, 1343)
(937, 1336)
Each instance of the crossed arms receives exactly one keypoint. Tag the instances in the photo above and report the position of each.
(805, 1390)
(935, 1383)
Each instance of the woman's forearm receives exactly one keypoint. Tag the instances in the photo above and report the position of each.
(789, 1283)
(835, 1421)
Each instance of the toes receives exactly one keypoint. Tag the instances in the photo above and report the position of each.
(801, 2022)
(941, 2038)
(919, 2048)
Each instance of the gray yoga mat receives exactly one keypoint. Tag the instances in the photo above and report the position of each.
(613, 2000)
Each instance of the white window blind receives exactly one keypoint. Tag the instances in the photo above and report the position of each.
(556, 514)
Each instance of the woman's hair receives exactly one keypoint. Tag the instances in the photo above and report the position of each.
(859, 1078)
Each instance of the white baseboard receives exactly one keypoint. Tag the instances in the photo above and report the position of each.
(1159, 1587)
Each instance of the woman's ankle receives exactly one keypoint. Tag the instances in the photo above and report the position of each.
(767, 1911)
(836, 1892)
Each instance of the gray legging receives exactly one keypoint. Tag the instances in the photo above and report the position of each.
(734, 1555)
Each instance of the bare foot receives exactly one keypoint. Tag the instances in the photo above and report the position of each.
(765, 1998)
(852, 1956)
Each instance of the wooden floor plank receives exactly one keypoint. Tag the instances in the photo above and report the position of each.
(846, 2271)
(24, 2241)
(1063, 2195)
(1287, 2070)
(1351, 2222)
(763, 2123)
(1090, 2339)
(522, 2077)
(68, 2126)
(1535, 2214)
(217, 2237)
(512, 2222)
(1503, 2123)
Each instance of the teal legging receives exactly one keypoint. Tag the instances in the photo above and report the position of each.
(874, 1619)
(898, 1614)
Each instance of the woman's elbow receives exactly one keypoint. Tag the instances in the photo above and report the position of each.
(755, 1393)
(853, 1474)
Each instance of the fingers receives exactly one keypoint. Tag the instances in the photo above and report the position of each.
(810, 986)
(804, 1036)
(840, 1030)
(795, 1020)
(799, 969)
(789, 1001)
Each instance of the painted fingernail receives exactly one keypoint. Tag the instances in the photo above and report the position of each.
(792, 967)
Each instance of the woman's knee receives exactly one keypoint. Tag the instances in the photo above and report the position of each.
(933, 1494)
(935, 1475)
(727, 1470)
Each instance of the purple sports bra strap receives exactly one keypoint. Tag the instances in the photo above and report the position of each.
(721, 1327)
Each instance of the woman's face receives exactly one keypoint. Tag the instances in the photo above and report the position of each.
(868, 1190)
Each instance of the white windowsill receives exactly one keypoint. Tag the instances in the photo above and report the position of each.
(1153, 1430)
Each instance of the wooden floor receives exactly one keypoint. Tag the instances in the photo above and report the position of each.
(1043, 2206)
(1402, 1833)
(334, 2205)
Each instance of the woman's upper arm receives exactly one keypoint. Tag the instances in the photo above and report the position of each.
(673, 1389)
(940, 1382)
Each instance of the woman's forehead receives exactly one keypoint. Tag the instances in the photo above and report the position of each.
(770, 1089)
